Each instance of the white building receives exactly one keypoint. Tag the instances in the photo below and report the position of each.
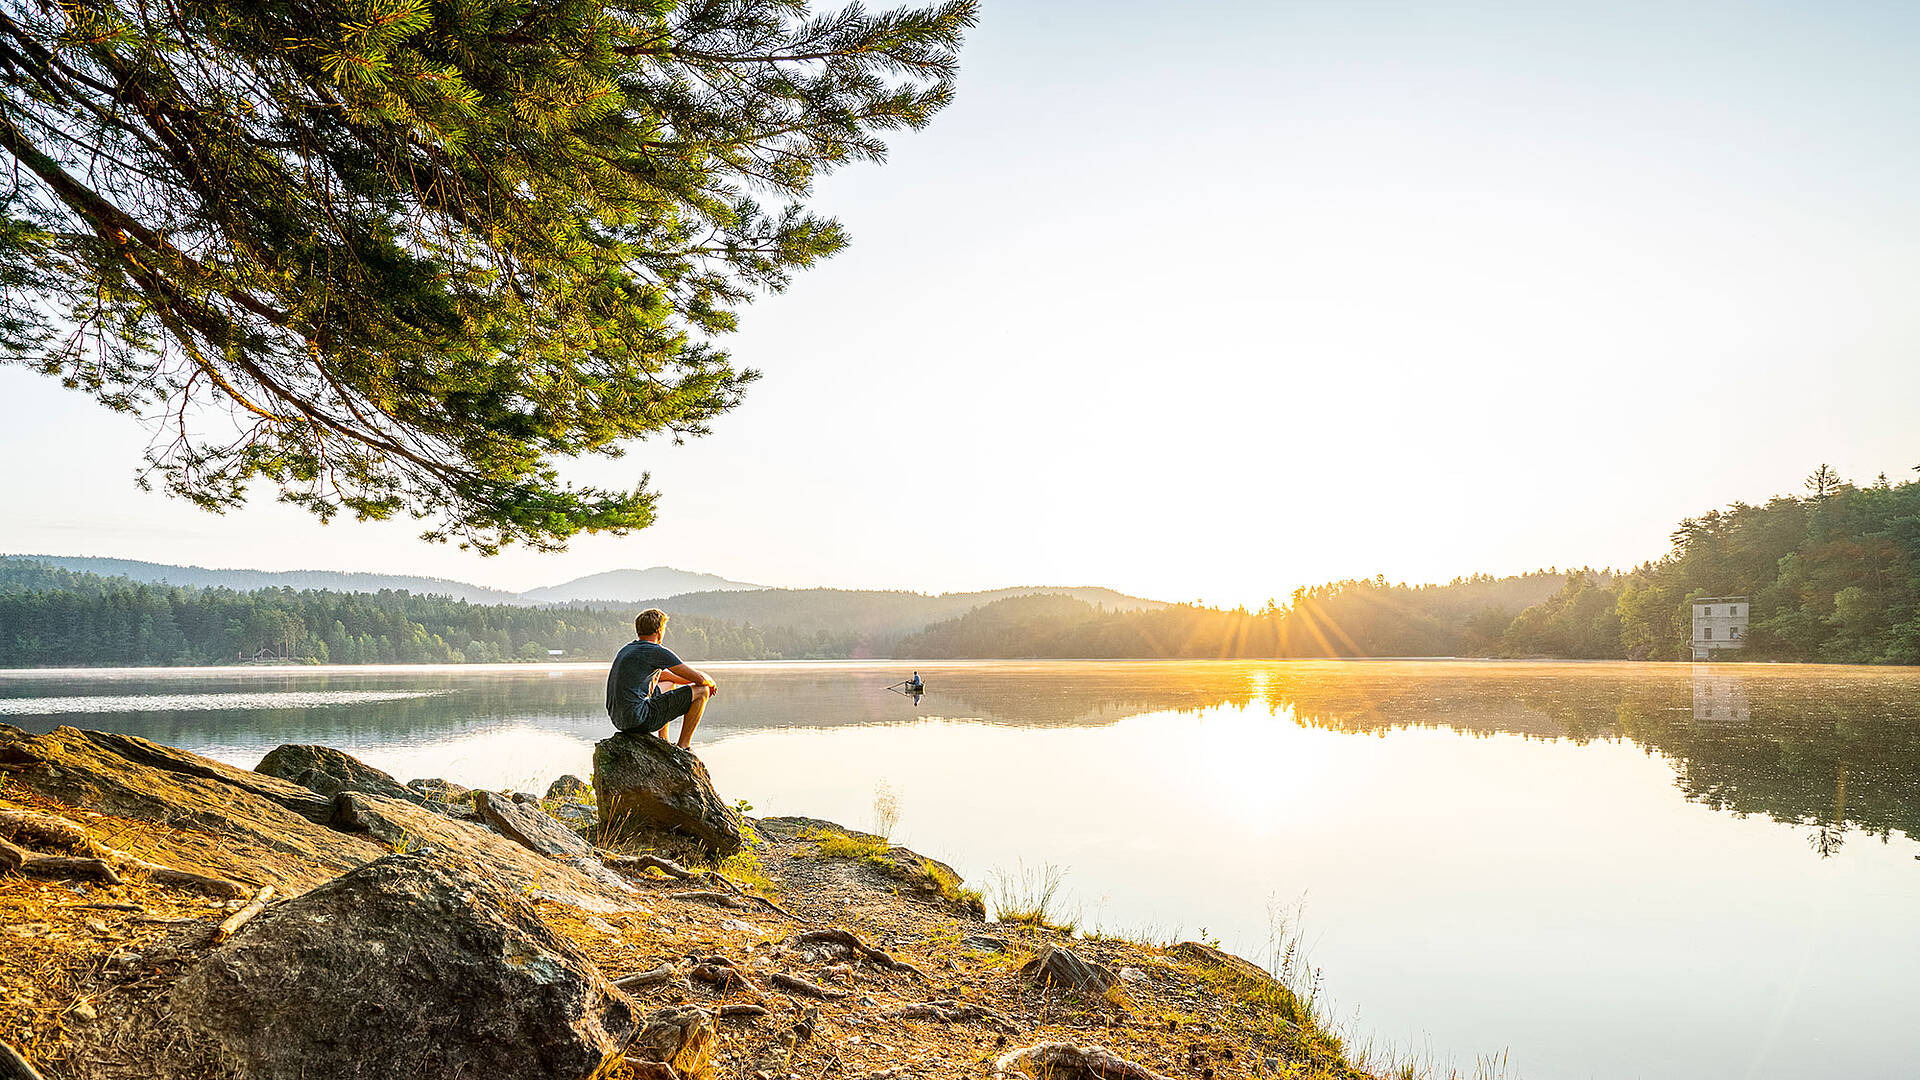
(1719, 622)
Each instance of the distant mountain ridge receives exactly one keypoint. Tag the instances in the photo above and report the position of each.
(870, 613)
(628, 586)
(200, 577)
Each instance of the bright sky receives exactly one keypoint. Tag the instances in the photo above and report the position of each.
(1212, 299)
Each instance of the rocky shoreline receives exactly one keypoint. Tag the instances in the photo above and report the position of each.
(164, 915)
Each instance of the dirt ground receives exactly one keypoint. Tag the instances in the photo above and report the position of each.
(1175, 1011)
(72, 954)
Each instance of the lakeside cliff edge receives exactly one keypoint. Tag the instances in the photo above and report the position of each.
(167, 916)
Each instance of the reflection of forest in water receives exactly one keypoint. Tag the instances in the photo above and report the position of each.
(1831, 748)
(453, 701)
(448, 705)
(1836, 749)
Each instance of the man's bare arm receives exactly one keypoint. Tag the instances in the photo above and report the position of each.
(681, 673)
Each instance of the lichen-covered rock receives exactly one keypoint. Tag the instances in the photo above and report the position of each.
(529, 826)
(1064, 968)
(575, 815)
(1208, 956)
(1066, 1061)
(436, 790)
(646, 783)
(569, 787)
(330, 772)
(408, 966)
(927, 876)
(579, 880)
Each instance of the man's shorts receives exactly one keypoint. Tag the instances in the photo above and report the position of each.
(664, 706)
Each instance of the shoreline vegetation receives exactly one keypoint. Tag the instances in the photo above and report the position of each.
(813, 947)
(1832, 577)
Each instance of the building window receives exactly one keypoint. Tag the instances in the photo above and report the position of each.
(1734, 610)
(1707, 612)
(1733, 633)
(1709, 632)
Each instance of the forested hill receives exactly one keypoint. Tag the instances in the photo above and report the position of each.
(54, 617)
(871, 615)
(51, 617)
(1348, 618)
(874, 615)
(1833, 576)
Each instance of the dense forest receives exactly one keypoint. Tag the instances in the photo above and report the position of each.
(52, 617)
(1833, 575)
(1466, 616)
(1341, 619)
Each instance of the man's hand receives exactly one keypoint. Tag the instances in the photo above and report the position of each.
(713, 688)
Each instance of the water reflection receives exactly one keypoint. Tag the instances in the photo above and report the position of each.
(222, 702)
(1835, 750)
(1720, 699)
(1832, 749)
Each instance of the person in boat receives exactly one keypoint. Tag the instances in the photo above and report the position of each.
(914, 685)
(648, 686)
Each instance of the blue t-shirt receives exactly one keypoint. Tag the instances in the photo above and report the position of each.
(631, 682)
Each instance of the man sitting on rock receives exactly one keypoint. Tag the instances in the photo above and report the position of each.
(636, 698)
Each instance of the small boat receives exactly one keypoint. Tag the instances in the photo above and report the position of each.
(914, 688)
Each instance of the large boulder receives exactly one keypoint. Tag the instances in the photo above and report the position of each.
(643, 782)
(330, 772)
(408, 966)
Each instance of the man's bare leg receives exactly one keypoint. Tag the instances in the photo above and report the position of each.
(692, 719)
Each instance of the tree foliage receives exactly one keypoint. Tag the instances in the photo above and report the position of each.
(1834, 577)
(398, 256)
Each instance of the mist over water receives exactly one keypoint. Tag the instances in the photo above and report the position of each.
(1612, 870)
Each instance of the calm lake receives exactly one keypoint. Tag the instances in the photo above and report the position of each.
(1605, 870)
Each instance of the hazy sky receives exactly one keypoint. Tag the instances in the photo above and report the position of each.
(1206, 300)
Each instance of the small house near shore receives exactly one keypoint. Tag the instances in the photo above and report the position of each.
(1719, 622)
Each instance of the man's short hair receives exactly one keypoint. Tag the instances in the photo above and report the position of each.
(649, 622)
